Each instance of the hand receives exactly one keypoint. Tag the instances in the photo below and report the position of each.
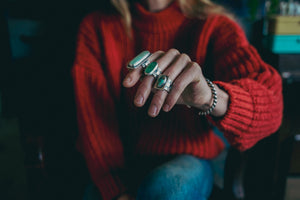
(125, 197)
(189, 85)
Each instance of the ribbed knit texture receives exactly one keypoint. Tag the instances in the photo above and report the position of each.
(103, 49)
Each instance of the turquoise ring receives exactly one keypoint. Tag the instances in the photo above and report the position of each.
(139, 60)
(152, 69)
(163, 82)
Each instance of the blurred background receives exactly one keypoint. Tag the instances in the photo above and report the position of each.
(38, 158)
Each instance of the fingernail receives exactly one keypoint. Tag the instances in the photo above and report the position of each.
(139, 100)
(166, 107)
(153, 110)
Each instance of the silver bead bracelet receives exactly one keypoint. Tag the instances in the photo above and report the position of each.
(215, 99)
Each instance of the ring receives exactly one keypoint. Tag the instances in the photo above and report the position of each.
(139, 60)
(144, 64)
(152, 69)
(163, 83)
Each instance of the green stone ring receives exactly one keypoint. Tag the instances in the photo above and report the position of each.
(152, 69)
(139, 60)
(163, 83)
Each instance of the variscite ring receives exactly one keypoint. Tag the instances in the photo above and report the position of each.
(152, 69)
(163, 83)
(139, 60)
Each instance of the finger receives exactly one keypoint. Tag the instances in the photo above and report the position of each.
(124, 197)
(168, 58)
(144, 90)
(172, 72)
(134, 75)
(178, 65)
(188, 75)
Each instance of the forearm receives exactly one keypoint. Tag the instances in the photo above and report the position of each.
(254, 111)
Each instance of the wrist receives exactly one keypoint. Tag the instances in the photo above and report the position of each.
(223, 102)
(206, 103)
(208, 108)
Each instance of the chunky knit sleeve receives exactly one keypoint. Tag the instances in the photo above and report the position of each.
(254, 87)
(97, 120)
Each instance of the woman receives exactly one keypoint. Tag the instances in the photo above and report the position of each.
(145, 139)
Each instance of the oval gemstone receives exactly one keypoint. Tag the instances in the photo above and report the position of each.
(161, 81)
(150, 68)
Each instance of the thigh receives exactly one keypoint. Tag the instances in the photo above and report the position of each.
(184, 177)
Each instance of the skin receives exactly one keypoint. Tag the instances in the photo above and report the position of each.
(155, 5)
(189, 84)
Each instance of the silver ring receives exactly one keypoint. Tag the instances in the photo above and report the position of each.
(152, 69)
(139, 60)
(163, 83)
(145, 63)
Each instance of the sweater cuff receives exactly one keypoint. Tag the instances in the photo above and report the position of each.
(110, 186)
(239, 114)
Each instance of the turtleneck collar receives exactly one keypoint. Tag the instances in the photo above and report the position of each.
(167, 19)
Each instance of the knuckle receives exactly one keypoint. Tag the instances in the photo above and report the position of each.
(143, 88)
(195, 68)
(160, 52)
(171, 99)
(158, 98)
(185, 57)
(177, 86)
(194, 65)
(174, 51)
(157, 54)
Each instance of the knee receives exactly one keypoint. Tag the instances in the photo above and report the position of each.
(185, 176)
(160, 185)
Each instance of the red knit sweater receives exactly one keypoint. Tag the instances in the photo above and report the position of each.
(107, 118)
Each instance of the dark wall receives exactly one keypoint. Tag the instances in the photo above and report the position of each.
(37, 88)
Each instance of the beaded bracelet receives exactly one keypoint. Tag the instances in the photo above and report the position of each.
(215, 99)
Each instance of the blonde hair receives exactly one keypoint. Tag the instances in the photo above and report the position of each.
(202, 8)
(191, 8)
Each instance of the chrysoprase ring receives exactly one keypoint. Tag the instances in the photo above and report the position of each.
(152, 69)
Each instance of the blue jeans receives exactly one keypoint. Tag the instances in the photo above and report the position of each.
(184, 177)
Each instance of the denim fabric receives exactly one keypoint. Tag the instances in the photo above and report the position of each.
(183, 177)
